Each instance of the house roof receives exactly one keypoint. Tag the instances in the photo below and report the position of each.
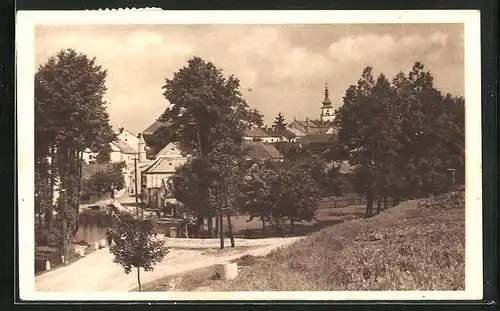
(262, 151)
(172, 149)
(276, 133)
(126, 130)
(90, 169)
(154, 127)
(124, 147)
(255, 132)
(316, 139)
(315, 126)
(162, 165)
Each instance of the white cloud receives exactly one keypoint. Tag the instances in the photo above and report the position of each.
(356, 48)
(371, 47)
(439, 37)
(283, 76)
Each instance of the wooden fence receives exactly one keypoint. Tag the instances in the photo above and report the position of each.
(345, 202)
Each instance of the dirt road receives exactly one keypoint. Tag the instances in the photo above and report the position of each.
(98, 273)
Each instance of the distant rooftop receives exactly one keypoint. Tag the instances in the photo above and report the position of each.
(255, 132)
(316, 138)
(124, 147)
(263, 151)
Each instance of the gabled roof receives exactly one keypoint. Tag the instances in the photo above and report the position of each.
(170, 150)
(163, 165)
(315, 126)
(154, 127)
(277, 133)
(130, 132)
(262, 151)
(123, 147)
(316, 138)
(255, 132)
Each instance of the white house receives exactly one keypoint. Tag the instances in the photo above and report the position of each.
(156, 176)
(275, 135)
(122, 152)
(131, 139)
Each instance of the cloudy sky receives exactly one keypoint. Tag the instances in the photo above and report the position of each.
(281, 68)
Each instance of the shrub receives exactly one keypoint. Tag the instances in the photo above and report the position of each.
(449, 200)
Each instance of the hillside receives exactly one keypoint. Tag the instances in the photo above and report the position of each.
(418, 245)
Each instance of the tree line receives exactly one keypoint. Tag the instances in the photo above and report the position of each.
(404, 137)
(401, 137)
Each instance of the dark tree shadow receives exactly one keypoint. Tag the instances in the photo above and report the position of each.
(300, 229)
(340, 214)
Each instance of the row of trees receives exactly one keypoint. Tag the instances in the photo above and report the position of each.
(70, 116)
(402, 136)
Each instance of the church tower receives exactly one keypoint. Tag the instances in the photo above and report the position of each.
(142, 149)
(327, 111)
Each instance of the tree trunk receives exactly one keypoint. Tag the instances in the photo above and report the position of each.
(369, 203)
(385, 202)
(395, 200)
(199, 225)
(230, 228)
(292, 226)
(379, 202)
(217, 220)
(79, 167)
(210, 226)
(264, 233)
(221, 229)
(139, 278)
(49, 213)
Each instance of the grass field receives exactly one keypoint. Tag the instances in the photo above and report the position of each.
(407, 247)
(326, 215)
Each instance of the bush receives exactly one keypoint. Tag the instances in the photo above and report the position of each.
(453, 199)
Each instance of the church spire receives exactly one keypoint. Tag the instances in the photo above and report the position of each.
(326, 101)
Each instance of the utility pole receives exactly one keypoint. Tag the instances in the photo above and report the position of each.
(136, 193)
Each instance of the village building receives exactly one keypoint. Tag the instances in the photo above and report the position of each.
(260, 152)
(276, 135)
(157, 175)
(317, 143)
(122, 152)
(257, 134)
(134, 172)
(129, 138)
(327, 111)
(321, 126)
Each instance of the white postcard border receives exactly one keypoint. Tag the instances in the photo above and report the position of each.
(25, 70)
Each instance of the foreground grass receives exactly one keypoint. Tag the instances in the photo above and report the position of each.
(408, 247)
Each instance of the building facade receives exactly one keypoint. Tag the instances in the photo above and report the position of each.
(156, 177)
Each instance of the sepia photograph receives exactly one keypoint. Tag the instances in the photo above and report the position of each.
(326, 155)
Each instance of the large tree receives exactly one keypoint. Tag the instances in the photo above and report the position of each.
(104, 181)
(206, 106)
(207, 109)
(70, 116)
(402, 136)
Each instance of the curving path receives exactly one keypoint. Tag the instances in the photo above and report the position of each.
(98, 273)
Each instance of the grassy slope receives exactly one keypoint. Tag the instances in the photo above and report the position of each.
(403, 248)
